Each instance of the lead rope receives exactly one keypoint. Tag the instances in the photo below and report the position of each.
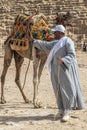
(26, 74)
(57, 88)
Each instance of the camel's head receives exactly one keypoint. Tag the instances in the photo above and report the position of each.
(64, 18)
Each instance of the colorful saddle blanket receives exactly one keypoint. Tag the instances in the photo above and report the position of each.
(19, 40)
(40, 30)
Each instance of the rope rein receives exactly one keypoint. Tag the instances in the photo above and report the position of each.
(26, 74)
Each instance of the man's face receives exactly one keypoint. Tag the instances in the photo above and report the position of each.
(57, 35)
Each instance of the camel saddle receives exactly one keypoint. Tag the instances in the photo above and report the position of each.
(19, 36)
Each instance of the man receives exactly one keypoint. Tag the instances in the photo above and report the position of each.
(63, 67)
(68, 88)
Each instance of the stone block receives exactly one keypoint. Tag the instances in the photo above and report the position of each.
(49, 8)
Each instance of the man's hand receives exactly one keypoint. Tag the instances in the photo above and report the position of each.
(60, 61)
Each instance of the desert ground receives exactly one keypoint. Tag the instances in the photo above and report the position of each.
(17, 115)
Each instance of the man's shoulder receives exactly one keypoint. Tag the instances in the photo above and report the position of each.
(69, 39)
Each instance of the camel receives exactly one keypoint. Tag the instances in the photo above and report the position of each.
(39, 60)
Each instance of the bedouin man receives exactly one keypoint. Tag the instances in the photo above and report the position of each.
(67, 86)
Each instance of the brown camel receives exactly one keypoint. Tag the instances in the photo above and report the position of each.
(38, 62)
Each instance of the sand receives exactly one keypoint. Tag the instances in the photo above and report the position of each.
(17, 115)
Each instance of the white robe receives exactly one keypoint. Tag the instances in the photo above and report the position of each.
(69, 89)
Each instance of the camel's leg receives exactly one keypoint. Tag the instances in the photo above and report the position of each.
(36, 61)
(18, 63)
(35, 82)
(7, 61)
(40, 69)
(38, 65)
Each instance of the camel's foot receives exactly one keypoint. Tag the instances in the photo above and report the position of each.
(37, 104)
(3, 101)
(27, 100)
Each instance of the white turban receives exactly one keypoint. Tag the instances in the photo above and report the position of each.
(59, 28)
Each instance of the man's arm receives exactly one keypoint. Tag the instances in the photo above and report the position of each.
(44, 45)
